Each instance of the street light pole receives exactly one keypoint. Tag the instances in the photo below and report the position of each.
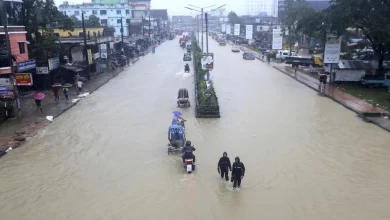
(149, 25)
(202, 28)
(207, 35)
(123, 49)
(85, 44)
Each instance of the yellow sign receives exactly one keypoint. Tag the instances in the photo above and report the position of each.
(90, 56)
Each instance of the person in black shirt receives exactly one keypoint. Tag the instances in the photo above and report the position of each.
(224, 166)
(238, 173)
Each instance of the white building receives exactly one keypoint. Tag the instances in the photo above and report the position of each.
(109, 14)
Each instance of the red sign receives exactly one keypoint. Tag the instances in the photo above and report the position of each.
(24, 79)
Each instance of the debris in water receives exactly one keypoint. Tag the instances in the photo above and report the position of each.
(9, 149)
(50, 118)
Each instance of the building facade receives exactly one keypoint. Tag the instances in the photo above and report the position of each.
(110, 12)
(183, 22)
(17, 36)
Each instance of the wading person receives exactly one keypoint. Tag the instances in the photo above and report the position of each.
(55, 93)
(65, 91)
(224, 166)
(79, 85)
(238, 172)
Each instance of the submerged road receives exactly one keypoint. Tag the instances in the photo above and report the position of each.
(306, 156)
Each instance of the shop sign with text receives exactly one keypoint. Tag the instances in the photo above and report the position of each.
(23, 79)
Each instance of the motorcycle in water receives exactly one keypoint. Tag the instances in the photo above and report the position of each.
(189, 164)
(186, 69)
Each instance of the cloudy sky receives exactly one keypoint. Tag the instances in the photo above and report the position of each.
(176, 7)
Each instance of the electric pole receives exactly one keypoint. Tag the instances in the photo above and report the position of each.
(123, 49)
(85, 42)
(207, 35)
(10, 57)
(202, 28)
(149, 25)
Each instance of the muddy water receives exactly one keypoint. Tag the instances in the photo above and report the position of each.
(306, 157)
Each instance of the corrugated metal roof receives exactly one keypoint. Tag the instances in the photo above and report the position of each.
(357, 64)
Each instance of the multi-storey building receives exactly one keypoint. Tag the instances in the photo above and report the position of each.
(110, 12)
(17, 37)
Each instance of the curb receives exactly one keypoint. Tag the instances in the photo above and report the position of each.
(360, 114)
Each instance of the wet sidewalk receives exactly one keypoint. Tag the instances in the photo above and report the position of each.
(366, 110)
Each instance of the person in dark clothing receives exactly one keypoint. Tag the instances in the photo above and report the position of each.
(238, 173)
(224, 166)
(187, 151)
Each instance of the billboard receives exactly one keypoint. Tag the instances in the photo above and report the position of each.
(332, 49)
(277, 40)
(249, 32)
(236, 29)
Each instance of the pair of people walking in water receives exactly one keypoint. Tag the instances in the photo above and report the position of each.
(238, 170)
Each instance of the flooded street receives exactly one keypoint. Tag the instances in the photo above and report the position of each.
(306, 157)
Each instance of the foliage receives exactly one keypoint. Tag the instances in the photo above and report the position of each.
(43, 15)
(371, 17)
(93, 21)
(296, 11)
(200, 74)
(235, 19)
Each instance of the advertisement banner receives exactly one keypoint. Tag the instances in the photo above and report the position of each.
(332, 49)
(236, 29)
(54, 63)
(249, 32)
(207, 61)
(228, 29)
(103, 51)
(42, 70)
(277, 40)
(23, 79)
(223, 27)
(26, 65)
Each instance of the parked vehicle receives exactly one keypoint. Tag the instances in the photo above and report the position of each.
(315, 61)
(222, 42)
(248, 56)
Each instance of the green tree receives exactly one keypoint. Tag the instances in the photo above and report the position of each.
(93, 21)
(76, 21)
(233, 18)
(39, 17)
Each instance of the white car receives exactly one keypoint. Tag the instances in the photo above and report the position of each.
(235, 49)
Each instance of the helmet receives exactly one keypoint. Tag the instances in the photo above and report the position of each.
(188, 143)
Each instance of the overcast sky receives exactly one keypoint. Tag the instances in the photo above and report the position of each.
(176, 7)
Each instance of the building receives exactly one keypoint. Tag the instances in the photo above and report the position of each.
(162, 21)
(140, 14)
(318, 5)
(17, 36)
(110, 12)
(183, 22)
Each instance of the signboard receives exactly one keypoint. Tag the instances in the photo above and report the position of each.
(207, 61)
(23, 79)
(277, 40)
(249, 32)
(228, 29)
(54, 63)
(236, 29)
(42, 70)
(90, 61)
(26, 65)
(103, 51)
(223, 27)
(332, 49)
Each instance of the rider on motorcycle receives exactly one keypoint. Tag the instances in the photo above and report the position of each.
(187, 67)
(187, 151)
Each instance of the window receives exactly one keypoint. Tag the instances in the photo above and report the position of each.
(118, 12)
(76, 13)
(127, 12)
(118, 21)
(127, 21)
(94, 12)
(103, 22)
(22, 49)
(103, 12)
(64, 12)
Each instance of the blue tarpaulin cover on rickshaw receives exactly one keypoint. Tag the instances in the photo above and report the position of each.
(176, 132)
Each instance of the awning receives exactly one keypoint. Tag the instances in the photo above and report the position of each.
(27, 42)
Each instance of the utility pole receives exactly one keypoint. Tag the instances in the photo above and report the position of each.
(85, 42)
(202, 28)
(207, 33)
(123, 49)
(149, 25)
(197, 27)
(10, 57)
